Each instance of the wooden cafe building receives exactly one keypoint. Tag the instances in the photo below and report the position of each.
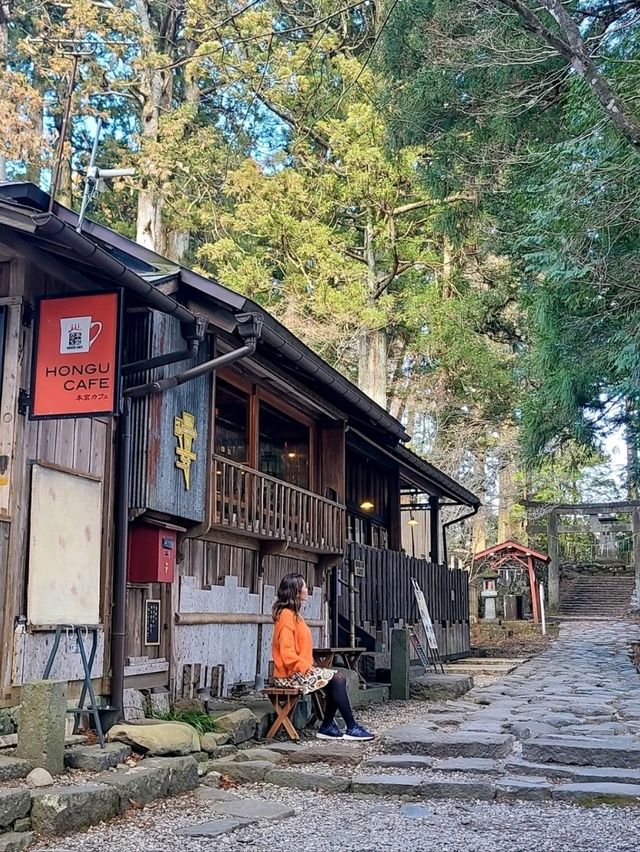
(168, 451)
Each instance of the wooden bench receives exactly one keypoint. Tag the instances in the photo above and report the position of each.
(284, 701)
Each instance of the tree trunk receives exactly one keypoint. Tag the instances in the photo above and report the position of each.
(34, 169)
(479, 521)
(372, 365)
(505, 500)
(150, 231)
(373, 344)
(178, 240)
(633, 451)
(447, 267)
(573, 48)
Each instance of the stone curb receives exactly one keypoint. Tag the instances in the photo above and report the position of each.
(60, 810)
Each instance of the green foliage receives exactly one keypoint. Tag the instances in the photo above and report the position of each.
(500, 111)
(202, 722)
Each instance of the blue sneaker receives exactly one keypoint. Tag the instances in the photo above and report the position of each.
(358, 733)
(329, 732)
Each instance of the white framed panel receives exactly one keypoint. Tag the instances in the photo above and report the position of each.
(64, 548)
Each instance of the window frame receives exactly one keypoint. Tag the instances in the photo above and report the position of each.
(256, 394)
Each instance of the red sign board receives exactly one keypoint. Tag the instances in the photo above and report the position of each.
(76, 367)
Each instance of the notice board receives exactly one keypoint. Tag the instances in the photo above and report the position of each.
(64, 548)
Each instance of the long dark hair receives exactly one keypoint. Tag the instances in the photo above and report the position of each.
(288, 595)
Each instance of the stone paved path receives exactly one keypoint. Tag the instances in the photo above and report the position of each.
(568, 718)
(584, 684)
(564, 725)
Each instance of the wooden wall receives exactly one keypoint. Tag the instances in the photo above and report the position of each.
(233, 569)
(210, 561)
(80, 446)
(225, 578)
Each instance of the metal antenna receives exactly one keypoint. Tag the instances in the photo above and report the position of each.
(90, 180)
(95, 175)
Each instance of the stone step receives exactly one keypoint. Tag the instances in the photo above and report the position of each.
(416, 786)
(373, 694)
(597, 605)
(507, 788)
(414, 738)
(586, 774)
(440, 687)
(483, 666)
(590, 600)
(618, 752)
(596, 600)
(597, 794)
(561, 616)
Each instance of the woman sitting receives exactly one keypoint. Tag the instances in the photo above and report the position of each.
(293, 662)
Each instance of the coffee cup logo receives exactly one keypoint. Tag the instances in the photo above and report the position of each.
(78, 334)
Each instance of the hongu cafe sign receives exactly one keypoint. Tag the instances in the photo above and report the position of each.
(76, 366)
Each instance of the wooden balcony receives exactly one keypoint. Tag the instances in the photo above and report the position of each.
(263, 506)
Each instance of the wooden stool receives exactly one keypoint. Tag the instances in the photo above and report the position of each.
(284, 700)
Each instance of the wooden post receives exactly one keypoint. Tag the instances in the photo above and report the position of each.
(535, 590)
(400, 664)
(635, 527)
(554, 565)
(434, 529)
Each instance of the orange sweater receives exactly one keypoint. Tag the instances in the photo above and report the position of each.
(292, 645)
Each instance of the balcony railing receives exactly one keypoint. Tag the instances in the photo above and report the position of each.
(266, 507)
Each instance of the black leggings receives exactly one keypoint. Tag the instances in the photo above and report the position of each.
(338, 700)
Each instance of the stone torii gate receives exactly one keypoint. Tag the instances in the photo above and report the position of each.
(554, 512)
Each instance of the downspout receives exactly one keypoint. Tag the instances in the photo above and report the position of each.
(474, 511)
(249, 329)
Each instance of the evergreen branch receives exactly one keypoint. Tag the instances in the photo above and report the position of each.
(290, 119)
(420, 205)
(572, 47)
(350, 252)
(532, 23)
(272, 33)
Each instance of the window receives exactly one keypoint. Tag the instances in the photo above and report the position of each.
(283, 446)
(232, 423)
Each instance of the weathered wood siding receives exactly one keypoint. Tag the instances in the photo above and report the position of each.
(78, 446)
(229, 653)
(209, 562)
(223, 578)
(156, 483)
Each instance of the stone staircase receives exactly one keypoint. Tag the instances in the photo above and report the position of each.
(422, 762)
(598, 595)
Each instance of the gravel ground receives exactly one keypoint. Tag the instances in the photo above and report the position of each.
(324, 823)
(351, 823)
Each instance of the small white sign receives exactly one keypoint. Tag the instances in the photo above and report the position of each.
(76, 334)
(424, 616)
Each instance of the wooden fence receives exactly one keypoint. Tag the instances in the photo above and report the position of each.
(385, 598)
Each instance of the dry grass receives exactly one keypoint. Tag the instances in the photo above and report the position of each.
(503, 641)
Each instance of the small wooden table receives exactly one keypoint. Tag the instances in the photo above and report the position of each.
(324, 657)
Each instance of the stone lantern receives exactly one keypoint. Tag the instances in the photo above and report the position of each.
(489, 594)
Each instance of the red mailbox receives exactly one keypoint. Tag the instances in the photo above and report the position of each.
(152, 554)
